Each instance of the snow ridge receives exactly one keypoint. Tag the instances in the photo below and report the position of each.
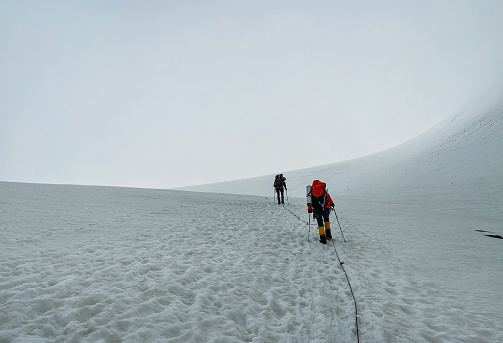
(458, 156)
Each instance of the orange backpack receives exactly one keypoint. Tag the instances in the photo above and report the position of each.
(318, 188)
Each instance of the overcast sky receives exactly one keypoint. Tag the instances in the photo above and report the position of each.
(162, 94)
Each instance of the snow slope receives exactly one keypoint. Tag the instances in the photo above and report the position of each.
(459, 159)
(103, 264)
(85, 264)
(422, 209)
(91, 264)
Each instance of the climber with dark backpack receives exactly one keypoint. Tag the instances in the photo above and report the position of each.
(319, 203)
(279, 186)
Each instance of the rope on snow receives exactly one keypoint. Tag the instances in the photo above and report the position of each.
(342, 266)
(351, 289)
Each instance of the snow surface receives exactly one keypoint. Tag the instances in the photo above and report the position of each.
(103, 264)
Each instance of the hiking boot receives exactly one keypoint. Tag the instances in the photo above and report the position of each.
(328, 234)
(327, 230)
(323, 239)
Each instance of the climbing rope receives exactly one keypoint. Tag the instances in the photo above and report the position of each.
(341, 263)
(296, 216)
(351, 289)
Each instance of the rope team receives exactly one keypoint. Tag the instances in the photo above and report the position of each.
(319, 203)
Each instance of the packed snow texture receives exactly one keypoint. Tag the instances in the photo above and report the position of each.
(101, 264)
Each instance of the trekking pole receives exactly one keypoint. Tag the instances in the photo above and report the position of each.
(288, 201)
(339, 225)
(309, 216)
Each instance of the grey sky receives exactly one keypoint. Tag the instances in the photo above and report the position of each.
(172, 93)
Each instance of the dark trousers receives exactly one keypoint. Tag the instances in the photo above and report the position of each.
(278, 191)
(322, 215)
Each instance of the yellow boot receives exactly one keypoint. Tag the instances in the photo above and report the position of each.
(328, 233)
(323, 238)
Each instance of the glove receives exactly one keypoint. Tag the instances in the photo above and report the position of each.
(309, 210)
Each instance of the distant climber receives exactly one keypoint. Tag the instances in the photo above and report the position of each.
(319, 204)
(279, 186)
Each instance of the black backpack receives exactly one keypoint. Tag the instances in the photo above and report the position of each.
(279, 181)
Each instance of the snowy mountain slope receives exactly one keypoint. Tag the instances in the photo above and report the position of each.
(461, 158)
(102, 264)
(88, 264)
(98, 264)
(419, 214)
